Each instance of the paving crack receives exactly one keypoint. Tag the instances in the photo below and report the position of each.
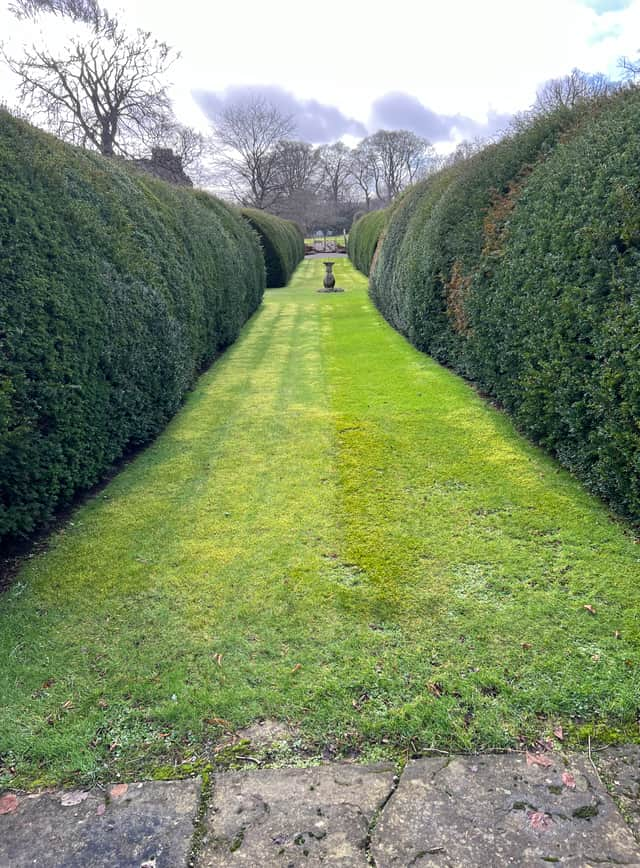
(375, 819)
(199, 824)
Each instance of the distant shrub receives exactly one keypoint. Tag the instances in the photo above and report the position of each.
(282, 242)
(363, 239)
(520, 268)
(115, 291)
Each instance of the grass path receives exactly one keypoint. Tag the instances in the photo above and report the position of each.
(336, 532)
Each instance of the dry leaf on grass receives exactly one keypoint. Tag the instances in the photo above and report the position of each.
(590, 609)
(219, 721)
(296, 668)
(559, 733)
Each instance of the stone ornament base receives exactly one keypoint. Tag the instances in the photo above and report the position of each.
(333, 289)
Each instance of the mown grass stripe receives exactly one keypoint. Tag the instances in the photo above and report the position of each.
(375, 552)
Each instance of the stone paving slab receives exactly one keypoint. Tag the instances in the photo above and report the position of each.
(150, 825)
(620, 768)
(294, 817)
(443, 813)
(499, 810)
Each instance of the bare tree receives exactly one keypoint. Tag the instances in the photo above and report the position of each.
(247, 134)
(574, 88)
(365, 170)
(296, 167)
(335, 168)
(400, 158)
(104, 90)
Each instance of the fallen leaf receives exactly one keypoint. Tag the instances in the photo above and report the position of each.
(8, 804)
(568, 780)
(539, 820)
(539, 759)
(297, 667)
(218, 659)
(103, 703)
(67, 705)
(559, 733)
(617, 635)
(113, 746)
(118, 791)
(590, 609)
(101, 809)
(74, 797)
(435, 688)
(48, 683)
(526, 646)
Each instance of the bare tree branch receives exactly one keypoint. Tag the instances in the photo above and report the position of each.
(396, 158)
(247, 135)
(104, 89)
(335, 167)
(574, 88)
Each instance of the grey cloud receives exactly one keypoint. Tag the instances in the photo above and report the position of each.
(315, 121)
(402, 111)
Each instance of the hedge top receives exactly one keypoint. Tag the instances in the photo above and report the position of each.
(282, 244)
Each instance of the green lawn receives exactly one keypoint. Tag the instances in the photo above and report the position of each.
(377, 556)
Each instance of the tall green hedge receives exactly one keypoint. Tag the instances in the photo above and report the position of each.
(282, 243)
(520, 268)
(115, 291)
(363, 239)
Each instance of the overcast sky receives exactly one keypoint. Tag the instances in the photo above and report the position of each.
(448, 70)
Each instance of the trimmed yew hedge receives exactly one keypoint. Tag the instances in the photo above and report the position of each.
(282, 243)
(363, 239)
(115, 290)
(520, 268)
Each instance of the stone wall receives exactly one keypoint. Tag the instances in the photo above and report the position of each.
(164, 164)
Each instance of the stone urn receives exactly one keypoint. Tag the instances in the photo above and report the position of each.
(329, 277)
(329, 283)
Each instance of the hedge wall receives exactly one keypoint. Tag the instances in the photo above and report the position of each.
(521, 269)
(115, 291)
(363, 239)
(282, 243)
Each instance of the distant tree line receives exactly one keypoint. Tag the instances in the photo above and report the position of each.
(257, 159)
